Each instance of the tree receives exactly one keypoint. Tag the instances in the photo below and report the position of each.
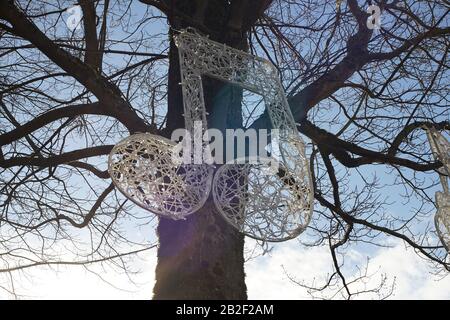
(359, 95)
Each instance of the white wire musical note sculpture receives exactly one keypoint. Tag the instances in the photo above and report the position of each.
(270, 206)
(441, 151)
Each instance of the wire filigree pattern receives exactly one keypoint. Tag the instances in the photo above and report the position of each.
(265, 202)
(441, 151)
(442, 219)
(271, 206)
(202, 56)
(143, 169)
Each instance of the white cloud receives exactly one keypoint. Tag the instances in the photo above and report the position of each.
(266, 278)
(412, 273)
(99, 282)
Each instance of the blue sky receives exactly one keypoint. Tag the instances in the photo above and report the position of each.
(266, 275)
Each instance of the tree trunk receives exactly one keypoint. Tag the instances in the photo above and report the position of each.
(201, 257)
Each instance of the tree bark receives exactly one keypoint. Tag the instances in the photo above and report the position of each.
(201, 257)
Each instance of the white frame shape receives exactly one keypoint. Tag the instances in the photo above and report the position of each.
(201, 56)
(441, 151)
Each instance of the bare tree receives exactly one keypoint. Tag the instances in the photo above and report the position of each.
(360, 95)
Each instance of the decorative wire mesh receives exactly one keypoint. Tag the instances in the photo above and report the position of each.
(262, 203)
(201, 56)
(441, 151)
(141, 167)
(442, 218)
(270, 206)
